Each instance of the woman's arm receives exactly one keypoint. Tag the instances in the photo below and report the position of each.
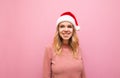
(83, 73)
(47, 64)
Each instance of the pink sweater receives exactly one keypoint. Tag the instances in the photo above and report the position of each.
(62, 66)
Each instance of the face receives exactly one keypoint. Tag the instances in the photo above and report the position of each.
(65, 30)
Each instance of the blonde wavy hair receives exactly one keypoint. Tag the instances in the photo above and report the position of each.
(73, 42)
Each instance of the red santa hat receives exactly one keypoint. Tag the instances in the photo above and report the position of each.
(68, 16)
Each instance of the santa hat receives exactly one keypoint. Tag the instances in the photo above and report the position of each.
(68, 16)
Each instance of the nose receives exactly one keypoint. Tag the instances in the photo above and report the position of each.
(66, 29)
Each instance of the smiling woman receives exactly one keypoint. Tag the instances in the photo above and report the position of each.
(63, 58)
(65, 30)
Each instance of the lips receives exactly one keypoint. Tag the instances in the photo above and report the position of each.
(66, 34)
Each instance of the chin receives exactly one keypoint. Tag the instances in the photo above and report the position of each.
(66, 38)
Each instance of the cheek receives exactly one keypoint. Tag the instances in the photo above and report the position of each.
(71, 30)
(60, 30)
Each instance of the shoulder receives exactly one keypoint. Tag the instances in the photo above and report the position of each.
(49, 50)
(79, 52)
(49, 47)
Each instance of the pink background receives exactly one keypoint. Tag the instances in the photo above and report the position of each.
(27, 26)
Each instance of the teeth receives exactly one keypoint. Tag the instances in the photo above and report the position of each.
(66, 33)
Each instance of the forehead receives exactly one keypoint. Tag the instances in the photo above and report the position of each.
(65, 23)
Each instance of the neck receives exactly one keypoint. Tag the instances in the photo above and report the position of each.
(65, 42)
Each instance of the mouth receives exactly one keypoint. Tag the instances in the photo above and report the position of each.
(66, 34)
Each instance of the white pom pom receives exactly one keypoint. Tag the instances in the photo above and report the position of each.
(77, 27)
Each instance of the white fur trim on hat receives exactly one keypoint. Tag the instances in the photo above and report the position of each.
(66, 18)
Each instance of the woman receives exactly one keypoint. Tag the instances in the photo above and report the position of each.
(63, 58)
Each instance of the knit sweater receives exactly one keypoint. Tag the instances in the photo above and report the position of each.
(62, 66)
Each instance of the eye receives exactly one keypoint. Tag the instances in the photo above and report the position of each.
(62, 26)
(70, 26)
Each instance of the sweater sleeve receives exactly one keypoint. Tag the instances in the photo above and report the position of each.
(47, 63)
(83, 75)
